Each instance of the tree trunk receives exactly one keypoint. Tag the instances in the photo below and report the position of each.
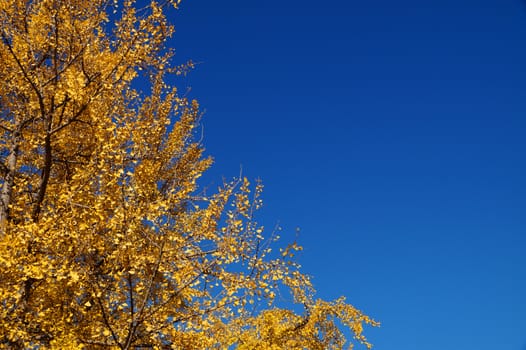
(9, 180)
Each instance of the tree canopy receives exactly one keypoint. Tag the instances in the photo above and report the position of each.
(106, 239)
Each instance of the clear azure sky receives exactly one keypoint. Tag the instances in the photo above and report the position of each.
(393, 133)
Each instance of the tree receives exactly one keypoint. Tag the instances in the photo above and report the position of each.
(106, 241)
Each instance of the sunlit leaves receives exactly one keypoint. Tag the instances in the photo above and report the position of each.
(106, 239)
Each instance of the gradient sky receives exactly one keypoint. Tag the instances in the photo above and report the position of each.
(393, 133)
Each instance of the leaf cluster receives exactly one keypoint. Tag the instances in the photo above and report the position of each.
(106, 240)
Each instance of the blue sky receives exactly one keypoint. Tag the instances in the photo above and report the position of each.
(393, 134)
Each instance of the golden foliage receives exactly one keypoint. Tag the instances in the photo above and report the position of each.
(105, 239)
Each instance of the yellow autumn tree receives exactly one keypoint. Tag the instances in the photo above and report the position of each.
(105, 239)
